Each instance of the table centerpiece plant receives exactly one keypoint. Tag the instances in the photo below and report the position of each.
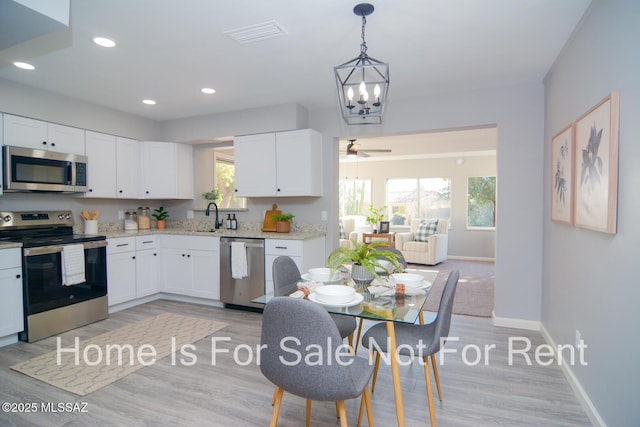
(365, 258)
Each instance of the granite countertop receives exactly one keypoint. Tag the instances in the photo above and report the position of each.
(256, 234)
(9, 245)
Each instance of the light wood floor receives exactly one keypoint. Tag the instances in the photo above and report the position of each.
(226, 394)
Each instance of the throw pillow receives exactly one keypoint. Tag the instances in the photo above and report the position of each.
(343, 235)
(426, 228)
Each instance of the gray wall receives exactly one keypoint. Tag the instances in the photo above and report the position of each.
(462, 242)
(590, 279)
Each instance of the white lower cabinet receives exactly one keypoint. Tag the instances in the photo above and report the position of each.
(132, 268)
(147, 265)
(11, 316)
(191, 265)
(306, 254)
(121, 269)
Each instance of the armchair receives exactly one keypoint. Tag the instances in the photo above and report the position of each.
(431, 252)
(348, 235)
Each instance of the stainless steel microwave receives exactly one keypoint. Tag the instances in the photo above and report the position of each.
(27, 169)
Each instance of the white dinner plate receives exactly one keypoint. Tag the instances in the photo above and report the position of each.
(338, 278)
(357, 299)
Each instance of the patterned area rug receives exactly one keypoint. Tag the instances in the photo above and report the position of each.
(475, 291)
(160, 333)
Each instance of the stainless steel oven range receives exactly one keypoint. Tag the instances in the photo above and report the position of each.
(51, 303)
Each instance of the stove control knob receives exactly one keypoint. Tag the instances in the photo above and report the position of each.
(60, 217)
(7, 218)
(67, 216)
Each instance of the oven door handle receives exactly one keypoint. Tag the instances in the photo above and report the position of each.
(45, 250)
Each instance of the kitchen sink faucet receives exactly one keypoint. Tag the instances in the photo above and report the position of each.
(208, 211)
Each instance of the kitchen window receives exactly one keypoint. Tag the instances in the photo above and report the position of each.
(225, 183)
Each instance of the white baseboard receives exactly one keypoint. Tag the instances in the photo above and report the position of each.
(507, 322)
(580, 393)
(470, 258)
(8, 340)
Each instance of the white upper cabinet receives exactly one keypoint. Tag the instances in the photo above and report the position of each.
(282, 164)
(128, 161)
(100, 150)
(255, 161)
(1, 143)
(31, 133)
(167, 170)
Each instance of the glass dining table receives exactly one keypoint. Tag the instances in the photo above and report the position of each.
(383, 307)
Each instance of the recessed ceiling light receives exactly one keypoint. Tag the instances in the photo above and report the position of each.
(149, 101)
(208, 90)
(24, 65)
(104, 42)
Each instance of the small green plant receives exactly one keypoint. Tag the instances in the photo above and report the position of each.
(283, 217)
(376, 215)
(160, 214)
(213, 195)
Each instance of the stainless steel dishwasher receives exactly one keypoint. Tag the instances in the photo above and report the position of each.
(239, 292)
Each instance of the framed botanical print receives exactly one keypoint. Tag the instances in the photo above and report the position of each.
(596, 166)
(384, 226)
(562, 161)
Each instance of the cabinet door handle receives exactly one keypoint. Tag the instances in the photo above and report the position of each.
(281, 247)
(184, 254)
(278, 189)
(148, 241)
(147, 191)
(44, 142)
(120, 191)
(122, 244)
(90, 190)
(189, 256)
(18, 276)
(155, 254)
(133, 257)
(53, 144)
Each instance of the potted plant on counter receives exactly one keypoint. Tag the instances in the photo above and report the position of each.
(365, 258)
(283, 222)
(160, 216)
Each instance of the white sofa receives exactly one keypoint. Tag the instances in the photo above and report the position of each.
(431, 252)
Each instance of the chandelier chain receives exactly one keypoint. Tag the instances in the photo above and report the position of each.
(363, 46)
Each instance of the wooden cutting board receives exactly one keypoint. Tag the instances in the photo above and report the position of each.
(269, 224)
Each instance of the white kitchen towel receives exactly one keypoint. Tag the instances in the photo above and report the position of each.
(73, 265)
(239, 267)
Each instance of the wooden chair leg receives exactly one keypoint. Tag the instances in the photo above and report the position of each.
(273, 399)
(362, 405)
(434, 365)
(427, 379)
(367, 401)
(308, 412)
(350, 341)
(276, 406)
(375, 372)
(359, 332)
(337, 411)
(343, 413)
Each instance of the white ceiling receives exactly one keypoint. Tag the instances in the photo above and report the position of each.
(169, 49)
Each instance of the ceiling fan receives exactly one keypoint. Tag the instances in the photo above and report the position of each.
(353, 150)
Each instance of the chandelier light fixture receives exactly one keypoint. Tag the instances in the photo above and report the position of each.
(362, 82)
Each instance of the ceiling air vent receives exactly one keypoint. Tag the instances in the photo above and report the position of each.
(257, 32)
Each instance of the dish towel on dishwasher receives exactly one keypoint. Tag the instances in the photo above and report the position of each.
(239, 265)
(72, 265)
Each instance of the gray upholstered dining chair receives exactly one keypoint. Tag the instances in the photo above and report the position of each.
(292, 327)
(286, 276)
(418, 340)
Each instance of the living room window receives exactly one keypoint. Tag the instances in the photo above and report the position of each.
(410, 199)
(355, 197)
(481, 202)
